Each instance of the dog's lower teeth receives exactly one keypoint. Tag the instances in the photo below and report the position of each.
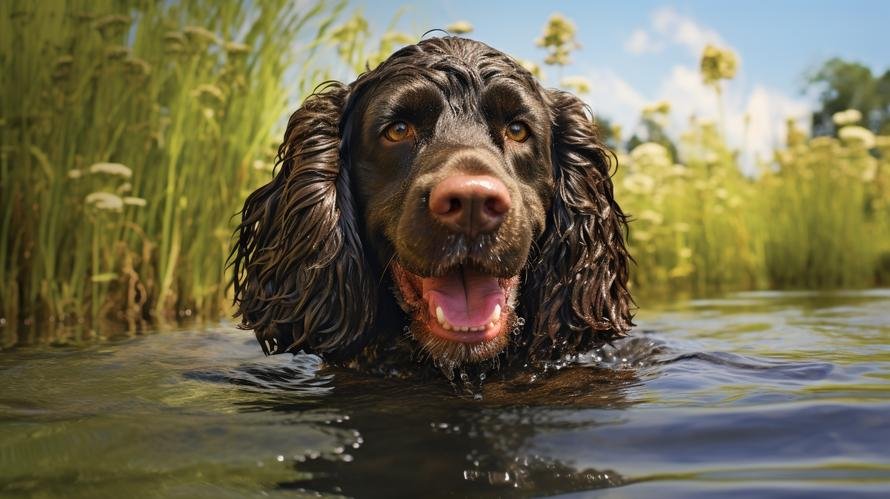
(493, 320)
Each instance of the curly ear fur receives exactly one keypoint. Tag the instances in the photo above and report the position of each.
(300, 272)
(576, 286)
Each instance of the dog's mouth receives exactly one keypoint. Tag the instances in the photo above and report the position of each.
(456, 313)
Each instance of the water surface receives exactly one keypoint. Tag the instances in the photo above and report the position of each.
(756, 394)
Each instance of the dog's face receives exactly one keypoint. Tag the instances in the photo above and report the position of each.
(450, 176)
(453, 187)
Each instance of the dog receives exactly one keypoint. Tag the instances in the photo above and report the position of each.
(443, 208)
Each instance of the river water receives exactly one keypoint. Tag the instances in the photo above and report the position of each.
(766, 394)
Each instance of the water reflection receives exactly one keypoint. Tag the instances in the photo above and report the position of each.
(469, 439)
(752, 394)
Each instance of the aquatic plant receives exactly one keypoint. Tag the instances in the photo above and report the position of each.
(128, 138)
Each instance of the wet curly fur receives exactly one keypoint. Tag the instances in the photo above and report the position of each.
(316, 248)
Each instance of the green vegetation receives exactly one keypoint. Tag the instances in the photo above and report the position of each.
(818, 217)
(845, 85)
(129, 137)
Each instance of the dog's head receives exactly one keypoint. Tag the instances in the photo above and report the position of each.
(448, 181)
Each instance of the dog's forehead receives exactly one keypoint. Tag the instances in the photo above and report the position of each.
(459, 70)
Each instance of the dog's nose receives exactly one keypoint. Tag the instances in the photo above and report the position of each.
(471, 204)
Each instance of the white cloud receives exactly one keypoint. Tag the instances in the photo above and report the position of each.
(612, 97)
(684, 31)
(668, 27)
(753, 119)
(765, 109)
(752, 122)
(640, 42)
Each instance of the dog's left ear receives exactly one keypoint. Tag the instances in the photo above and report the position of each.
(300, 274)
(576, 285)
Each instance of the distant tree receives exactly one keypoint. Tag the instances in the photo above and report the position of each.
(846, 85)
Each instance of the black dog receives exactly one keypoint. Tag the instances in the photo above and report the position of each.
(445, 191)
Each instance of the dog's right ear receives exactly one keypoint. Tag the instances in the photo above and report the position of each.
(300, 272)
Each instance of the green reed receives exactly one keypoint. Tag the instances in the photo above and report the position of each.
(129, 137)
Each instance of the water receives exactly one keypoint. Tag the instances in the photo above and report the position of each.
(757, 394)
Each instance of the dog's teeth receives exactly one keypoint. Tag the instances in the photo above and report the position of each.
(496, 313)
(464, 329)
(440, 315)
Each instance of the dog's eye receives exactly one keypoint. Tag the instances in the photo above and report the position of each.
(517, 131)
(398, 131)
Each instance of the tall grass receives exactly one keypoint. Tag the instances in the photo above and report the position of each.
(128, 137)
(815, 217)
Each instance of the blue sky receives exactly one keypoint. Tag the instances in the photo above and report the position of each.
(636, 53)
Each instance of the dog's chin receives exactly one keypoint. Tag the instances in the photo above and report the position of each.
(463, 316)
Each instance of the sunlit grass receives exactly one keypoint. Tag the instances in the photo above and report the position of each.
(129, 137)
(816, 217)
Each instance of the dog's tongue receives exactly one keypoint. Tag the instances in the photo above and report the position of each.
(467, 298)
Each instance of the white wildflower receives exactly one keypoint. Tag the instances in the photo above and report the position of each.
(134, 201)
(112, 169)
(75, 173)
(651, 153)
(846, 117)
(105, 201)
(639, 183)
(459, 28)
(857, 135)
